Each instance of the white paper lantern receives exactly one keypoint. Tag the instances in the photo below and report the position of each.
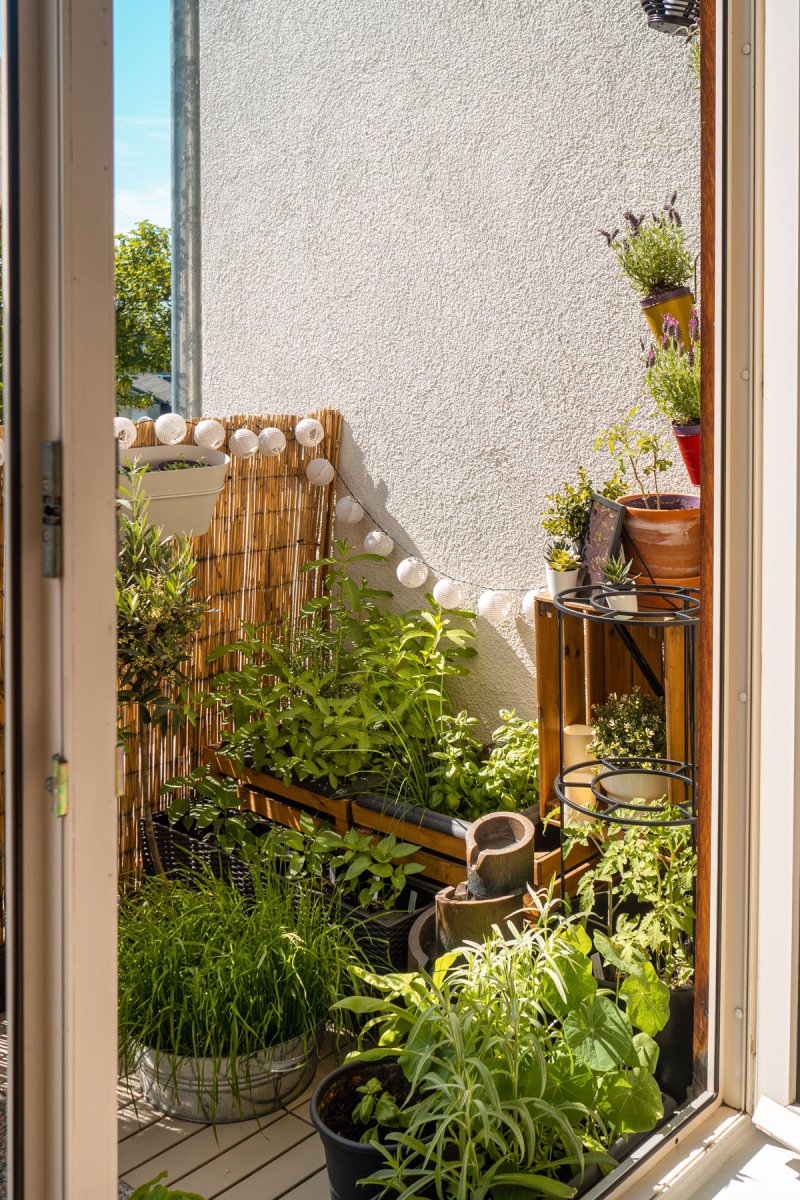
(209, 434)
(309, 432)
(348, 510)
(448, 593)
(124, 432)
(378, 542)
(529, 606)
(272, 442)
(170, 429)
(144, 419)
(320, 472)
(412, 572)
(243, 443)
(494, 606)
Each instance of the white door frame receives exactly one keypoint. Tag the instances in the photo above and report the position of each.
(60, 678)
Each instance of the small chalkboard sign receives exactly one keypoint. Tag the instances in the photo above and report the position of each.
(603, 534)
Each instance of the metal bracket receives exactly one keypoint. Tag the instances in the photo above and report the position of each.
(57, 785)
(51, 510)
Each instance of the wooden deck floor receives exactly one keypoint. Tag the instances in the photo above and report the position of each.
(280, 1158)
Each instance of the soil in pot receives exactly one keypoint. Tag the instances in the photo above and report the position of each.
(664, 542)
(342, 1097)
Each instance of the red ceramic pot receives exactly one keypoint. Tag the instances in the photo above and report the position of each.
(688, 439)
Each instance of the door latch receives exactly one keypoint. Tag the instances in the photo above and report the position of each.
(57, 784)
(51, 510)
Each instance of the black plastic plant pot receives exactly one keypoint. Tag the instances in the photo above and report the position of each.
(182, 851)
(622, 1148)
(675, 1043)
(426, 818)
(670, 16)
(348, 1161)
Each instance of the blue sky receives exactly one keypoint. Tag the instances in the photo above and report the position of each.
(141, 112)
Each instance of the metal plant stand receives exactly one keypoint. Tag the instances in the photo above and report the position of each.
(579, 786)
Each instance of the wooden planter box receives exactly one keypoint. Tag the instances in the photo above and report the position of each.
(281, 802)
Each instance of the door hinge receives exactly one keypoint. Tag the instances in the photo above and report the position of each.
(57, 785)
(51, 510)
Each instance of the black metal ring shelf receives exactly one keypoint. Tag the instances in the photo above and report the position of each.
(678, 608)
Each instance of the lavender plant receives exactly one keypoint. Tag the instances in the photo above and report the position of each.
(673, 372)
(652, 251)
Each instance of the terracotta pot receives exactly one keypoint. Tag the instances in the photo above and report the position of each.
(662, 602)
(677, 304)
(688, 439)
(499, 855)
(664, 543)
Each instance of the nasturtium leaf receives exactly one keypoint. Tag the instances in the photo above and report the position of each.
(647, 1000)
(614, 957)
(645, 1052)
(570, 982)
(598, 1034)
(633, 1101)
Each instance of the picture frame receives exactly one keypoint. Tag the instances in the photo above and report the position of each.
(603, 535)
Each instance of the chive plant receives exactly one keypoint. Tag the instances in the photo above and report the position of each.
(208, 974)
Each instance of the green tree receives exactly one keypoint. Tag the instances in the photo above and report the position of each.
(143, 306)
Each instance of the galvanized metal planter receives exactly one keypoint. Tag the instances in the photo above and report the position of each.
(187, 1087)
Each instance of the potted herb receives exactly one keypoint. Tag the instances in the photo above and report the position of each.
(567, 508)
(182, 484)
(630, 731)
(158, 616)
(643, 884)
(523, 1070)
(662, 529)
(673, 381)
(563, 567)
(621, 585)
(156, 1190)
(222, 997)
(654, 257)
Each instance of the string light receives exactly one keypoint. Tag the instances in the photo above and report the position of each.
(529, 606)
(320, 472)
(124, 432)
(448, 593)
(494, 606)
(378, 542)
(272, 442)
(412, 572)
(309, 431)
(243, 443)
(209, 434)
(170, 429)
(348, 510)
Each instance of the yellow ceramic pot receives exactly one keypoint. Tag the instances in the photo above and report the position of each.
(677, 304)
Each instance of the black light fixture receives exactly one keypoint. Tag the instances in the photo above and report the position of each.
(671, 16)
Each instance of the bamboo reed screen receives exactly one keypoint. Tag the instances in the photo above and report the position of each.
(269, 522)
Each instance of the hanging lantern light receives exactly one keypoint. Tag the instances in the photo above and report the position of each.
(529, 606)
(672, 16)
(309, 432)
(209, 434)
(170, 429)
(272, 442)
(243, 443)
(378, 542)
(412, 572)
(124, 432)
(320, 472)
(348, 510)
(448, 593)
(494, 606)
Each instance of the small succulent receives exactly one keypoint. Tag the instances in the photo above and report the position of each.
(560, 555)
(616, 571)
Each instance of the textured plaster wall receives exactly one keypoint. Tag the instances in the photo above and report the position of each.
(399, 209)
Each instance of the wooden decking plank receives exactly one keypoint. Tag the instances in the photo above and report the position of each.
(195, 1151)
(315, 1188)
(155, 1140)
(282, 1175)
(236, 1164)
(135, 1117)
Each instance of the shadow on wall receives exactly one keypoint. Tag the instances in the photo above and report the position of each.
(502, 673)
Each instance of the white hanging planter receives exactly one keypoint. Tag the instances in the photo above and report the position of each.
(181, 501)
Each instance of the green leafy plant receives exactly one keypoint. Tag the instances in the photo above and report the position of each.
(616, 571)
(650, 871)
(564, 519)
(673, 372)
(206, 806)
(373, 871)
(630, 726)
(523, 1067)
(652, 251)
(156, 1190)
(378, 1110)
(693, 43)
(641, 453)
(158, 616)
(561, 556)
(205, 973)
(143, 293)
(320, 702)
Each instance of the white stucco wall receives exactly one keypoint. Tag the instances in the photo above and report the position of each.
(400, 201)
